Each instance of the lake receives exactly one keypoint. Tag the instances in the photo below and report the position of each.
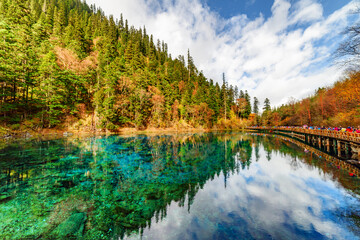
(185, 186)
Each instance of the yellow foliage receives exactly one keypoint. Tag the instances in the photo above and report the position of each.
(67, 59)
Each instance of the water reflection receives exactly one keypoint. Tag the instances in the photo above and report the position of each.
(190, 186)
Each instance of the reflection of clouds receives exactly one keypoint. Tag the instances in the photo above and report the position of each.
(269, 200)
(286, 196)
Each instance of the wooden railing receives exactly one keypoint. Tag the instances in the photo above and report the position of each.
(336, 161)
(347, 136)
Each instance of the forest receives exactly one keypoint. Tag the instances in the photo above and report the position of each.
(338, 105)
(65, 65)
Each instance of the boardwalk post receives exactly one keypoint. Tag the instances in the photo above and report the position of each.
(339, 148)
(328, 144)
(333, 142)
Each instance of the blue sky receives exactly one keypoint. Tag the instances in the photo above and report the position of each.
(231, 8)
(253, 8)
(276, 49)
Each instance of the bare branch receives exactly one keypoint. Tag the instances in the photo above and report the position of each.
(348, 52)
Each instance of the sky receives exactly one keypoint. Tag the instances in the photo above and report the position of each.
(276, 49)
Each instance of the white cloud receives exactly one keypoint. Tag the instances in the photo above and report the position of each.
(270, 57)
(264, 198)
(250, 2)
(307, 11)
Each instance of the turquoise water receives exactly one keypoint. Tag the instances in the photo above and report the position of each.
(188, 186)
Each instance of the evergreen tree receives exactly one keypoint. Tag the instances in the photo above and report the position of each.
(60, 18)
(7, 72)
(190, 65)
(241, 94)
(51, 91)
(224, 94)
(267, 106)
(256, 105)
(248, 104)
(236, 93)
(56, 56)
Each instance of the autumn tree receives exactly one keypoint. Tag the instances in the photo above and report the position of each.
(61, 61)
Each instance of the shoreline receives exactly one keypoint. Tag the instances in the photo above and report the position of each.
(47, 134)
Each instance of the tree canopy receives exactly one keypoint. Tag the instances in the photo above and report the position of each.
(61, 61)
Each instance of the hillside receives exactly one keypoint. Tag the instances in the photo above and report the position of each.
(64, 64)
(338, 105)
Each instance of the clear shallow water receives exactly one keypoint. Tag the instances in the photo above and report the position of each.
(190, 186)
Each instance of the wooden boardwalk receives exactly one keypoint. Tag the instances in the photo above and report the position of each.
(351, 168)
(343, 145)
(346, 136)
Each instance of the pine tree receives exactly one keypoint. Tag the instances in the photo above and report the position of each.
(60, 19)
(113, 73)
(256, 105)
(50, 90)
(248, 104)
(224, 93)
(236, 93)
(8, 47)
(190, 65)
(267, 106)
(241, 94)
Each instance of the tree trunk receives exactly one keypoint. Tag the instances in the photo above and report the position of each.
(14, 91)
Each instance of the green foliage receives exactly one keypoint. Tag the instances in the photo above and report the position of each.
(55, 55)
(267, 106)
(248, 105)
(256, 105)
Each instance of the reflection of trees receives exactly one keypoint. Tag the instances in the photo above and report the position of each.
(257, 155)
(121, 183)
(281, 145)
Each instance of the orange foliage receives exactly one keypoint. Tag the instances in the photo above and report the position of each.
(348, 91)
(154, 90)
(67, 59)
(157, 100)
(335, 106)
(181, 86)
(175, 110)
(252, 117)
(275, 119)
(241, 105)
(196, 87)
(202, 113)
